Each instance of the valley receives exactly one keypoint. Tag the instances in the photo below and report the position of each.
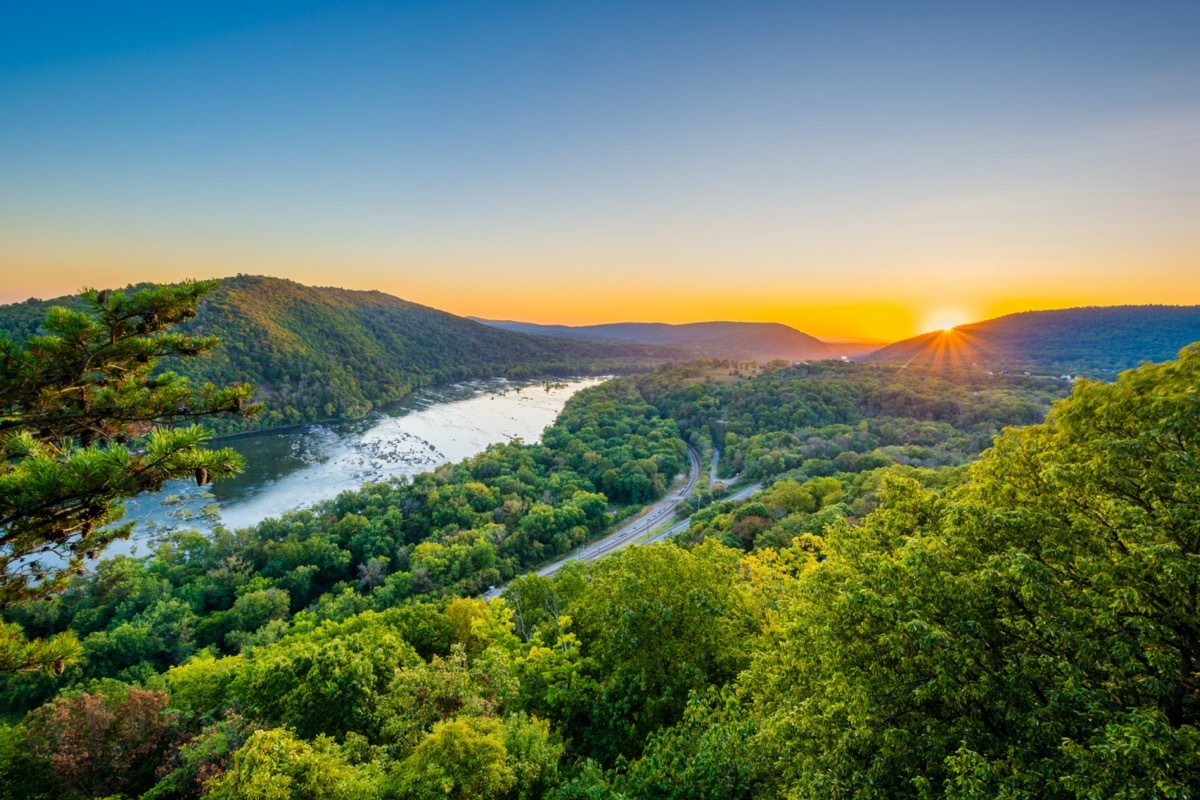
(606, 577)
(600, 401)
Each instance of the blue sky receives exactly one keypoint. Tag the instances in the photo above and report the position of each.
(849, 168)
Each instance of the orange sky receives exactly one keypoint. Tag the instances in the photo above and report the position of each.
(888, 310)
(853, 175)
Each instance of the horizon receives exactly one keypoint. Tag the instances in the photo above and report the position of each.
(866, 173)
(937, 329)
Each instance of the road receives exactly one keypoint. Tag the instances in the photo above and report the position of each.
(630, 533)
(683, 524)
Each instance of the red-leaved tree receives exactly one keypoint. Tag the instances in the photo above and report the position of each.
(102, 746)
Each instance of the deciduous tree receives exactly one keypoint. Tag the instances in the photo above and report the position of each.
(102, 745)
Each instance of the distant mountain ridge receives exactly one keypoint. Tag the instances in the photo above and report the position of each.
(1094, 340)
(320, 353)
(747, 341)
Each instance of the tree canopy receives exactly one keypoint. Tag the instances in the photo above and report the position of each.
(84, 424)
(1022, 626)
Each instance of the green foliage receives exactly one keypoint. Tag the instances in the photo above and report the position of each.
(460, 760)
(23, 774)
(794, 513)
(423, 695)
(276, 765)
(19, 654)
(706, 756)
(1032, 635)
(252, 611)
(70, 400)
(1024, 627)
(330, 680)
(589, 783)
(479, 758)
(832, 417)
(657, 623)
(201, 759)
(533, 754)
(200, 688)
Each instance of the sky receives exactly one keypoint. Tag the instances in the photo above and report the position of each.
(853, 169)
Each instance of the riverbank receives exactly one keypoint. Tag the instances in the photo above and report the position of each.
(400, 401)
(296, 466)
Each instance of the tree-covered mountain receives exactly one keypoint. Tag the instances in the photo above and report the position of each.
(739, 341)
(317, 353)
(1094, 340)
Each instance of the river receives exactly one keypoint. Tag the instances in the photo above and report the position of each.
(296, 467)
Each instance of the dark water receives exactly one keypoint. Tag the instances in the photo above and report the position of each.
(297, 467)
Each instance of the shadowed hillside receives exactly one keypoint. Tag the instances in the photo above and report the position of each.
(749, 341)
(1086, 340)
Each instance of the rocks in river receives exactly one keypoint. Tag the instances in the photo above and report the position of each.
(399, 449)
(301, 466)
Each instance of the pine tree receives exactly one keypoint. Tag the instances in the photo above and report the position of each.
(86, 422)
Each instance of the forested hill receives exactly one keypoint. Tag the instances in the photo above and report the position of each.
(318, 353)
(1094, 341)
(749, 341)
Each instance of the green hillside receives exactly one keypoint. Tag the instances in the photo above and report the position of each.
(1094, 341)
(318, 353)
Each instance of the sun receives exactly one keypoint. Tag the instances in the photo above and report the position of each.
(945, 320)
